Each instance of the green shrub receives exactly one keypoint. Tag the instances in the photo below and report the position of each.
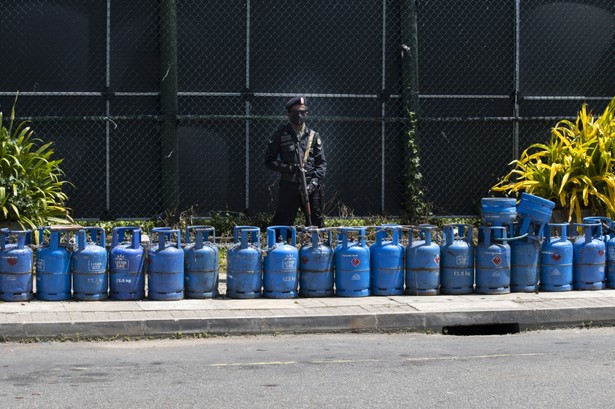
(576, 169)
(30, 180)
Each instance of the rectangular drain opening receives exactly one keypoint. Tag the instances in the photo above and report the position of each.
(481, 329)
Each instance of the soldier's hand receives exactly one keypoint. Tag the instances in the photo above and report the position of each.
(295, 168)
(292, 168)
(312, 186)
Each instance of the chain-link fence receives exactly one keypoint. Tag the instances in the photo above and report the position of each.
(161, 103)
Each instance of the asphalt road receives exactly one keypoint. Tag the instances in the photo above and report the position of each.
(560, 368)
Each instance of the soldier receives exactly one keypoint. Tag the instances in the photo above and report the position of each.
(282, 157)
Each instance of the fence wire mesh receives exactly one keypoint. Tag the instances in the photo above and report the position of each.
(152, 98)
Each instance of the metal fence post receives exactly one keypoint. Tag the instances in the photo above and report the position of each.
(410, 57)
(169, 106)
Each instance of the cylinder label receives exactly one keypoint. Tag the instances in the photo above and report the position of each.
(121, 263)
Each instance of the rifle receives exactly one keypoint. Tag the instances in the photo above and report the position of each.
(305, 197)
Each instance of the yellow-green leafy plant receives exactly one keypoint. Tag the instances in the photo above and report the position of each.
(30, 180)
(576, 169)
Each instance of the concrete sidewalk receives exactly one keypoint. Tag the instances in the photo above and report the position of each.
(221, 316)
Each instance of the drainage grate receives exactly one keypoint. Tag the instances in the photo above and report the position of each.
(482, 329)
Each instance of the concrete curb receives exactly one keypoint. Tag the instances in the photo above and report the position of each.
(527, 319)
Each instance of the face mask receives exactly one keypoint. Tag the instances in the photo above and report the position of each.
(297, 117)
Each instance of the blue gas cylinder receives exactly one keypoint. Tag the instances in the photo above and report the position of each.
(126, 264)
(607, 235)
(386, 258)
(244, 264)
(498, 210)
(525, 257)
(610, 257)
(457, 260)
(165, 266)
(89, 265)
(352, 269)
(422, 262)
(53, 267)
(493, 261)
(201, 262)
(556, 259)
(316, 276)
(16, 279)
(589, 258)
(281, 264)
(534, 212)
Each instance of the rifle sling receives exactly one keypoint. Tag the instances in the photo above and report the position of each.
(306, 154)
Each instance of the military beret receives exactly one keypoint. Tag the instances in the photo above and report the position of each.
(296, 101)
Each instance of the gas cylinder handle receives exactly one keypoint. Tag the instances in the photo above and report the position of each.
(136, 239)
(165, 232)
(201, 235)
(272, 230)
(467, 231)
(245, 236)
(487, 233)
(41, 234)
(96, 233)
(381, 234)
(449, 234)
(315, 235)
(605, 222)
(588, 229)
(4, 233)
(383, 230)
(395, 231)
(360, 235)
(117, 236)
(54, 240)
(253, 229)
(55, 235)
(81, 242)
(428, 229)
(464, 232)
(21, 237)
(563, 230)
